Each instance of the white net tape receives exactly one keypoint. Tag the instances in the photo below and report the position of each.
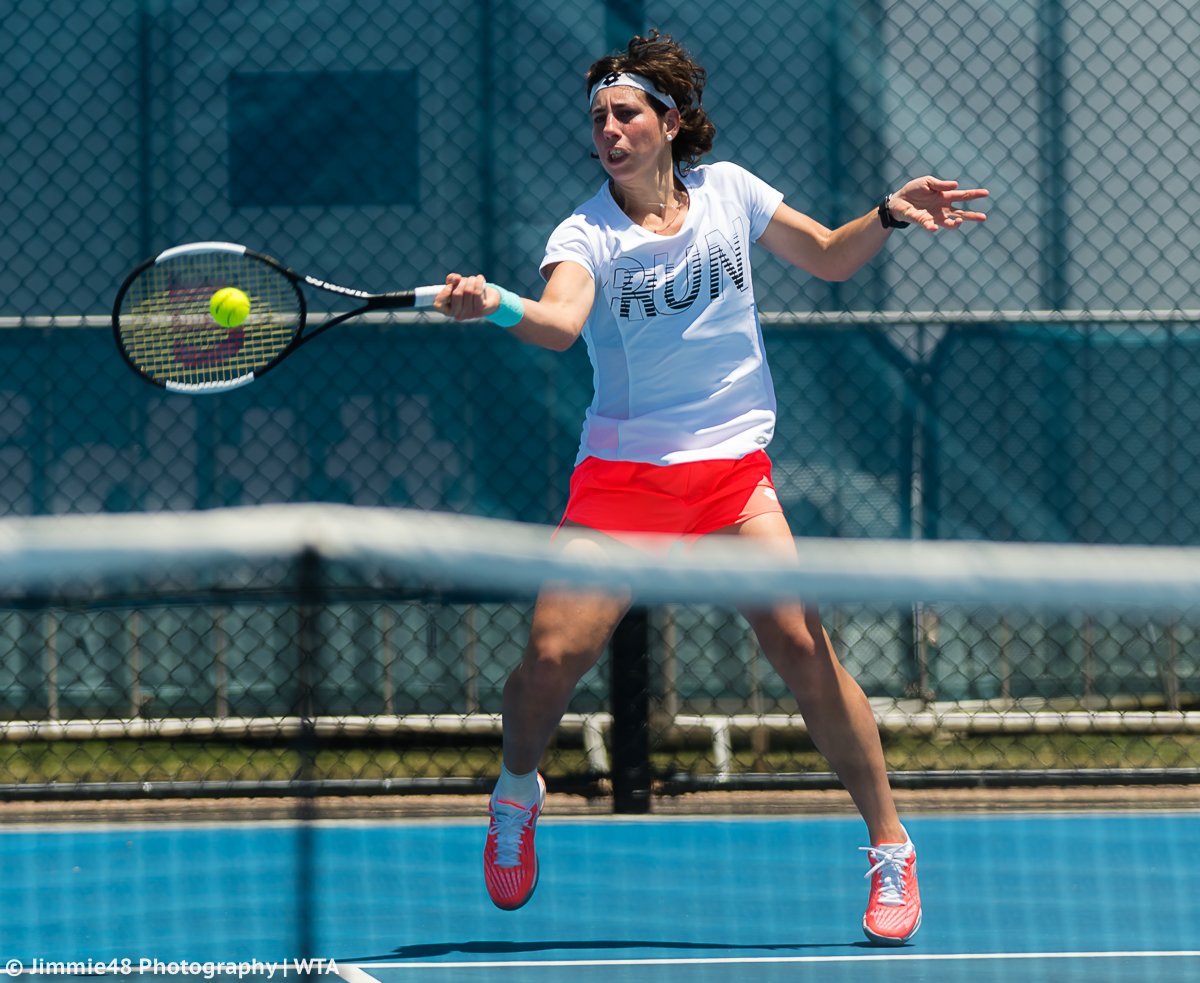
(474, 553)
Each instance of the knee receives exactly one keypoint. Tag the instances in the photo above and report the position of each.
(793, 637)
(800, 646)
(555, 661)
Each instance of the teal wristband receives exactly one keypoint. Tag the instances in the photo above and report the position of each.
(511, 309)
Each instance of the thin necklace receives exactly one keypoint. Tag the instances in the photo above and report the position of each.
(680, 196)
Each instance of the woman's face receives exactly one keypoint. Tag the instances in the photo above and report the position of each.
(629, 135)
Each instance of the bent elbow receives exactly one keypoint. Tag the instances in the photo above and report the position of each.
(833, 271)
(555, 340)
(833, 267)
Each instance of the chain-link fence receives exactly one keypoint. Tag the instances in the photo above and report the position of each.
(382, 144)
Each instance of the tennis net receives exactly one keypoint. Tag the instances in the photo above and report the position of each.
(267, 650)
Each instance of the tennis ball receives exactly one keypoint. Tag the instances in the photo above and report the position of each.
(229, 307)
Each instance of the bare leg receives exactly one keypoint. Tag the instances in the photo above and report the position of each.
(567, 637)
(834, 707)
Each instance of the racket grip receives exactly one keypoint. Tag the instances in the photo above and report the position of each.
(425, 296)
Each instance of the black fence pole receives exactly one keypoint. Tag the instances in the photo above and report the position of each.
(308, 642)
(630, 695)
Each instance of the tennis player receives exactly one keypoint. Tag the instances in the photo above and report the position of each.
(654, 271)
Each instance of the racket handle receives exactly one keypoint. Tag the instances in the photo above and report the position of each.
(425, 296)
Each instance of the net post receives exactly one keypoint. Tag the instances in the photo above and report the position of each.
(630, 698)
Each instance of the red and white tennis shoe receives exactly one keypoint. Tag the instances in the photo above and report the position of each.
(894, 908)
(510, 864)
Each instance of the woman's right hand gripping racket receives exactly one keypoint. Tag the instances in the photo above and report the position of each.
(180, 326)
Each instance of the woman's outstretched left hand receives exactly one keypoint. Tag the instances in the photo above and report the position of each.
(931, 203)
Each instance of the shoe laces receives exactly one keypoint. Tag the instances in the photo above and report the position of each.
(508, 826)
(890, 861)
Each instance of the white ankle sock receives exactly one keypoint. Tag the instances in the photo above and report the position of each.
(520, 789)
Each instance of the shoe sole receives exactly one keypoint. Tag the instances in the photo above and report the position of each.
(888, 940)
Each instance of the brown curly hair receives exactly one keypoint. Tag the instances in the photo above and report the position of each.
(668, 65)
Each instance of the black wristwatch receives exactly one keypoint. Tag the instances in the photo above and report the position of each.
(885, 216)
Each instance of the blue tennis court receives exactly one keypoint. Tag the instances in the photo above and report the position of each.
(1067, 897)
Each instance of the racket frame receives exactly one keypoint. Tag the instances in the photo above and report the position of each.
(419, 297)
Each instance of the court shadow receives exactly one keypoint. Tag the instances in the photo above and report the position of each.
(500, 947)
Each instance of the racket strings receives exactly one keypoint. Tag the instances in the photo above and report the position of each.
(168, 330)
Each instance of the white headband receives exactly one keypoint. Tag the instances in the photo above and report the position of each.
(634, 82)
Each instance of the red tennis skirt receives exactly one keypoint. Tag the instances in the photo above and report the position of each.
(689, 499)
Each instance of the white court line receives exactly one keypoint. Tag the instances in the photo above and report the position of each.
(354, 974)
(768, 960)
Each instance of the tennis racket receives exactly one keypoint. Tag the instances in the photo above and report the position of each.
(165, 328)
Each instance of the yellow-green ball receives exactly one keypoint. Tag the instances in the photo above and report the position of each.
(229, 307)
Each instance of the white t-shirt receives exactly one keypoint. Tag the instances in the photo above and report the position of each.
(673, 334)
